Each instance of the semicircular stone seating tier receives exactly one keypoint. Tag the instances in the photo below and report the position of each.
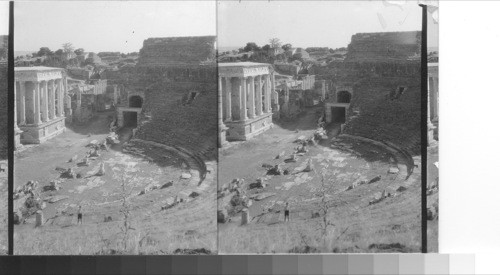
(202, 172)
(404, 160)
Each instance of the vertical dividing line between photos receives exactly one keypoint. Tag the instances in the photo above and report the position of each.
(423, 125)
(218, 130)
(10, 129)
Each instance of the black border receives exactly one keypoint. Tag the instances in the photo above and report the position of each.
(10, 128)
(423, 126)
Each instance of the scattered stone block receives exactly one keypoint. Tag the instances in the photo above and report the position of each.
(222, 216)
(261, 196)
(54, 199)
(401, 188)
(39, 218)
(245, 216)
(166, 185)
(393, 170)
(375, 179)
(194, 194)
(185, 176)
(101, 171)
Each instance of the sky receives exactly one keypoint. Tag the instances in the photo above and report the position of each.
(4, 17)
(313, 23)
(108, 26)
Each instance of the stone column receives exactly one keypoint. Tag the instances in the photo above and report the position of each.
(45, 102)
(22, 103)
(222, 127)
(15, 107)
(64, 89)
(430, 127)
(52, 111)
(274, 95)
(36, 104)
(251, 100)
(259, 95)
(228, 99)
(267, 105)
(220, 103)
(243, 98)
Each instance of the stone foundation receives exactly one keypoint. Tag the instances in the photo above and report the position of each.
(245, 130)
(36, 134)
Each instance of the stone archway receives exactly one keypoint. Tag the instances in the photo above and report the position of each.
(344, 97)
(135, 101)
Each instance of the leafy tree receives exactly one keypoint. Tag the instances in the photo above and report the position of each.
(79, 51)
(286, 47)
(68, 47)
(251, 46)
(275, 43)
(59, 52)
(44, 51)
(3, 53)
(266, 47)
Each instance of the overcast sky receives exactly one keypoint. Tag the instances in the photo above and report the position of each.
(4, 17)
(108, 26)
(307, 23)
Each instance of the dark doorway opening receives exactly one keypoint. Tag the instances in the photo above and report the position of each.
(344, 97)
(135, 101)
(130, 119)
(338, 114)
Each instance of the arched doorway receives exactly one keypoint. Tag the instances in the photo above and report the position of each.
(135, 101)
(344, 97)
(130, 119)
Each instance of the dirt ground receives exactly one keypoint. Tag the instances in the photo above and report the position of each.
(101, 197)
(391, 225)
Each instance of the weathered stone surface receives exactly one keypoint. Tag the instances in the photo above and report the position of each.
(262, 196)
(185, 176)
(245, 216)
(168, 184)
(393, 170)
(177, 50)
(54, 199)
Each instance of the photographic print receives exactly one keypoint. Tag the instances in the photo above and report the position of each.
(320, 127)
(432, 191)
(116, 128)
(4, 30)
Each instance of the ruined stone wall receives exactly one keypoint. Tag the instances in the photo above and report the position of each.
(177, 50)
(384, 46)
(373, 114)
(3, 110)
(182, 105)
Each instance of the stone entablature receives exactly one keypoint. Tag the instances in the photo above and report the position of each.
(243, 69)
(39, 103)
(37, 74)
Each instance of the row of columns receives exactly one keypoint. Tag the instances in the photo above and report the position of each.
(47, 101)
(250, 93)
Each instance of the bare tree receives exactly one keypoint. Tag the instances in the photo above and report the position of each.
(67, 47)
(275, 43)
(125, 210)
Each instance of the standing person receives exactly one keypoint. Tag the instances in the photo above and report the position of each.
(287, 212)
(80, 215)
